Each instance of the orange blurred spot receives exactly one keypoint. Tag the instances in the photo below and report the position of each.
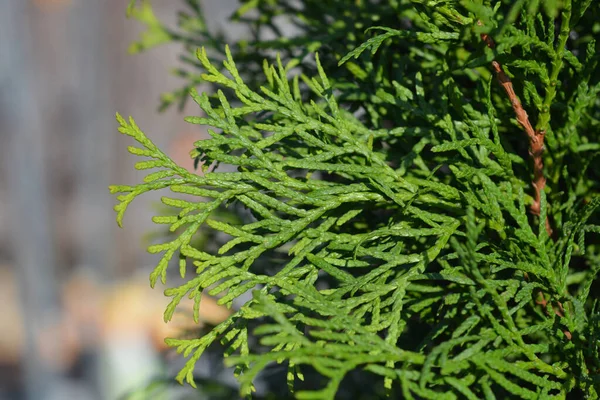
(180, 148)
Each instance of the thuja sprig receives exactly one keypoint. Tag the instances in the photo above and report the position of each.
(536, 137)
(383, 227)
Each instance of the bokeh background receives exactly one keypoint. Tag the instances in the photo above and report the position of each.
(78, 319)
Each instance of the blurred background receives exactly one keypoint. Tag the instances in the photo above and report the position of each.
(78, 319)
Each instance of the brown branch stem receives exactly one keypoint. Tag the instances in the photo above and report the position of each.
(560, 312)
(536, 138)
(536, 148)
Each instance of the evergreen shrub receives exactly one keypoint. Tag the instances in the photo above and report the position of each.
(412, 195)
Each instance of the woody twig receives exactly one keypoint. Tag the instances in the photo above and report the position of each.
(536, 138)
(536, 148)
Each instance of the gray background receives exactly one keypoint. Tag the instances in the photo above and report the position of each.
(64, 72)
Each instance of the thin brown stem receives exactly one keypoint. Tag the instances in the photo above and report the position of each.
(536, 138)
(560, 312)
(536, 148)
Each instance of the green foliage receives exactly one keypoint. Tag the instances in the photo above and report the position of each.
(381, 189)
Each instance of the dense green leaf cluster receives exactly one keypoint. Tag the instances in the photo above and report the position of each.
(382, 187)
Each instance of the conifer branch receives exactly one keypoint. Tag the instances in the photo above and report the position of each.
(536, 138)
(536, 148)
(380, 219)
